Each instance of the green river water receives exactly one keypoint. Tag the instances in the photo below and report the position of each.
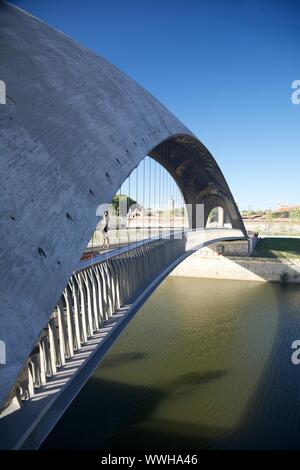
(204, 364)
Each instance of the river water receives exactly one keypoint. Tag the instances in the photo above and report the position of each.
(204, 364)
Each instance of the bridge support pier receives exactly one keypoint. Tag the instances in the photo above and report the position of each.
(221, 217)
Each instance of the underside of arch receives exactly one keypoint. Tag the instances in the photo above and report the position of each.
(198, 177)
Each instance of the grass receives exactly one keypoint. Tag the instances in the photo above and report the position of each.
(288, 248)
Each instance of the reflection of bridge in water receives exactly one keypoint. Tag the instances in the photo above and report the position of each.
(78, 149)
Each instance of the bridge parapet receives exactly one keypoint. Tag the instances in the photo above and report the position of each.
(93, 295)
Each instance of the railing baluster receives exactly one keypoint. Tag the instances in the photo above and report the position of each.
(90, 298)
(115, 269)
(53, 345)
(100, 293)
(43, 364)
(82, 303)
(105, 295)
(89, 305)
(108, 289)
(76, 313)
(30, 379)
(70, 321)
(63, 348)
(95, 308)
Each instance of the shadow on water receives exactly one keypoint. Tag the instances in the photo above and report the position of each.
(123, 358)
(187, 383)
(194, 378)
(116, 415)
(110, 414)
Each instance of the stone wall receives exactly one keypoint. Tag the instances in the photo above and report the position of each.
(207, 263)
(232, 247)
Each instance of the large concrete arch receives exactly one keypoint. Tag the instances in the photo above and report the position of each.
(72, 130)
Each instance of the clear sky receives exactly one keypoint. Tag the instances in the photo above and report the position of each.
(223, 67)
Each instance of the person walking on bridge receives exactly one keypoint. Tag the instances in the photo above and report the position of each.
(104, 230)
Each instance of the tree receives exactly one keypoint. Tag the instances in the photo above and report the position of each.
(295, 213)
(122, 197)
(213, 215)
(269, 220)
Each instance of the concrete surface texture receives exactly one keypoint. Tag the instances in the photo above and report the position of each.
(72, 129)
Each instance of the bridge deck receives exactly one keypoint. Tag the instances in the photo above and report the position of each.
(196, 239)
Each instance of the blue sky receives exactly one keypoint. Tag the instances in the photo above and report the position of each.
(224, 68)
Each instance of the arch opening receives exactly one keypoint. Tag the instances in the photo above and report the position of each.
(218, 218)
(176, 185)
(148, 204)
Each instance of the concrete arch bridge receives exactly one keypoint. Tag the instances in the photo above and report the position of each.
(72, 130)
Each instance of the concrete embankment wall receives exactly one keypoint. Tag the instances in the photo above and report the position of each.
(207, 263)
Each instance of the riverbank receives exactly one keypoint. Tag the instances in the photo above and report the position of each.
(273, 227)
(278, 247)
(272, 261)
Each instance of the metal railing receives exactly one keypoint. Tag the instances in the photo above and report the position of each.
(92, 296)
